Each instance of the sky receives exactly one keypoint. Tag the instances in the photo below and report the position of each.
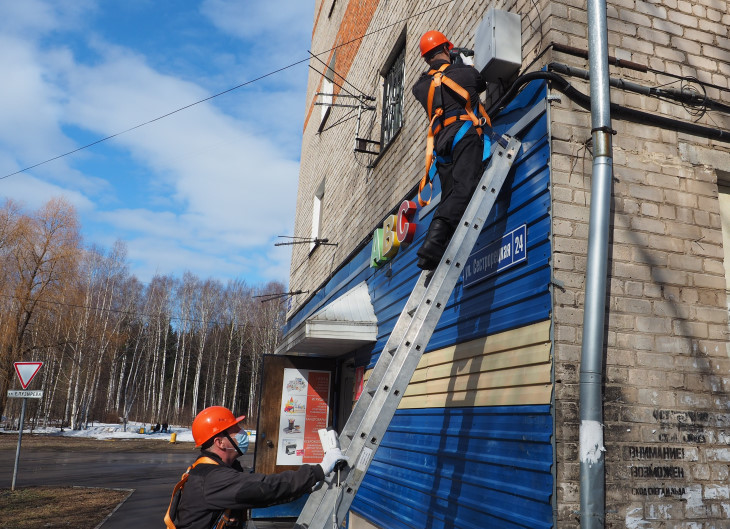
(207, 189)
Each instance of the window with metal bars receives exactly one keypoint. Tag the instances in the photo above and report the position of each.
(393, 98)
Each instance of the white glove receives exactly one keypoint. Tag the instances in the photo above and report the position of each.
(331, 457)
(469, 61)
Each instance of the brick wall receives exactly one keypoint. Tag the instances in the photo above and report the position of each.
(666, 358)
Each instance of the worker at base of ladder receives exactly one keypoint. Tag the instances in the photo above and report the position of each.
(457, 146)
(215, 491)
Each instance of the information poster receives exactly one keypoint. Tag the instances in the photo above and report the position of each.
(359, 381)
(304, 410)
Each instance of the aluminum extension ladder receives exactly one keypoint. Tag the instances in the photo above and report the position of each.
(394, 369)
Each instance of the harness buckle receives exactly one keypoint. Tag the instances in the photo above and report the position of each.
(482, 121)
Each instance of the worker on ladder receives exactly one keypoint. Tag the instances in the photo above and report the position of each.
(458, 138)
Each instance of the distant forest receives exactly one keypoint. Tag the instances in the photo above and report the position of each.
(113, 348)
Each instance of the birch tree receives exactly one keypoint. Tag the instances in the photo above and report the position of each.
(266, 334)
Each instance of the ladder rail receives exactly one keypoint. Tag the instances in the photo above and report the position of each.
(384, 362)
(396, 365)
(363, 404)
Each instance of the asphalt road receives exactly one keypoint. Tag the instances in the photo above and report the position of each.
(151, 475)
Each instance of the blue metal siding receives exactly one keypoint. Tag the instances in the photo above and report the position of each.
(473, 467)
(462, 467)
(516, 297)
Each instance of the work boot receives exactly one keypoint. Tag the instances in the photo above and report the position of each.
(434, 245)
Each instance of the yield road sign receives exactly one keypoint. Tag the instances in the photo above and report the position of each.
(26, 371)
(25, 394)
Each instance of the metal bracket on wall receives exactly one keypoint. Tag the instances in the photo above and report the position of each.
(362, 105)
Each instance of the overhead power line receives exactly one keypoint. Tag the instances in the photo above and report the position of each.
(156, 119)
(366, 96)
(227, 91)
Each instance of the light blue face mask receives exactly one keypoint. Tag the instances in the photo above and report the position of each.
(242, 441)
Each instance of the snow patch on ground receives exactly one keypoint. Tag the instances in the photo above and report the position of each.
(117, 431)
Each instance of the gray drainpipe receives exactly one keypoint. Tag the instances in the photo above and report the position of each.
(592, 469)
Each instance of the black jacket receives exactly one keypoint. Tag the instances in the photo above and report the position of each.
(468, 78)
(211, 489)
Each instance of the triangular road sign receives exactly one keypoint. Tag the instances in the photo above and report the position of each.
(26, 371)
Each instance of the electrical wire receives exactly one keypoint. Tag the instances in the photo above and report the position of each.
(542, 35)
(694, 109)
(347, 117)
(156, 119)
(366, 96)
(620, 111)
(246, 83)
(341, 87)
(689, 78)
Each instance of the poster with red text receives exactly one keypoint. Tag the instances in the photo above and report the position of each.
(304, 410)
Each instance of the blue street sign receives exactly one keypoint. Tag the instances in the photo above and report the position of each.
(496, 256)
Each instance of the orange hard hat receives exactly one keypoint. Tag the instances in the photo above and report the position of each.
(433, 39)
(212, 421)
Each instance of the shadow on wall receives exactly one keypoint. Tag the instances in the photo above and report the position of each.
(454, 468)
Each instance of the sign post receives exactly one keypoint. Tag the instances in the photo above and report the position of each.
(26, 371)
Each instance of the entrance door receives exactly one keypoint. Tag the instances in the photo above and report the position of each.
(296, 401)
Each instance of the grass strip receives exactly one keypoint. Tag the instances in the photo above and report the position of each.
(57, 507)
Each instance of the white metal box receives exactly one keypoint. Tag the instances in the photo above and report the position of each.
(498, 45)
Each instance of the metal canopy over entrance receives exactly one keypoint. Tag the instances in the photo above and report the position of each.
(342, 326)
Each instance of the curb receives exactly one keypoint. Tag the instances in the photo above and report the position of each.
(115, 508)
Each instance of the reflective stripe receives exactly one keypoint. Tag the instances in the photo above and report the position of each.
(178, 489)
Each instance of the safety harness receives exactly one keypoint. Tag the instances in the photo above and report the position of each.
(439, 121)
(223, 521)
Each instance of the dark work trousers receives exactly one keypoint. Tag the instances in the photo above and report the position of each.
(459, 178)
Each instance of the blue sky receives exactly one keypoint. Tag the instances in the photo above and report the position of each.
(207, 189)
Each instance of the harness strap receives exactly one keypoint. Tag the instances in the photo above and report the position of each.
(434, 107)
(175, 499)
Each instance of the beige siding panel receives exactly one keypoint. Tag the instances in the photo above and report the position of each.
(535, 354)
(519, 377)
(509, 340)
(509, 368)
(531, 395)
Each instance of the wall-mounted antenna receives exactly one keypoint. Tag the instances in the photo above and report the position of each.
(361, 104)
(361, 144)
(304, 240)
(271, 297)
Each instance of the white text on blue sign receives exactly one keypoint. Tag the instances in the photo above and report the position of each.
(496, 256)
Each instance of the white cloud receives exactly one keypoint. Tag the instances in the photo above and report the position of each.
(30, 105)
(269, 25)
(219, 179)
(29, 17)
(33, 193)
